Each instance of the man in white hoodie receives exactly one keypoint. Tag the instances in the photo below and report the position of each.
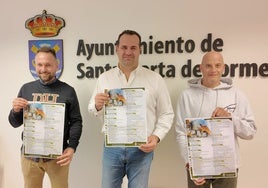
(213, 96)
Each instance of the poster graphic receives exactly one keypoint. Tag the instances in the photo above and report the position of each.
(211, 147)
(125, 118)
(43, 129)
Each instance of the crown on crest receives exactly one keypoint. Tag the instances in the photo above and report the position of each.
(44, 25)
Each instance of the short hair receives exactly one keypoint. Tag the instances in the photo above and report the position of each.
(128, 32)
(47, 49)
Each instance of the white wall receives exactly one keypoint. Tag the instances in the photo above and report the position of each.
(241, 24)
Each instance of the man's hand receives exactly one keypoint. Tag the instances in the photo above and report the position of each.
(220, 112)
(100, 100)
(19, 103)
(66, 157)
(199, 181)
(150, 145)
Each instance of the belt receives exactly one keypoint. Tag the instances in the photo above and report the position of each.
(35, 159)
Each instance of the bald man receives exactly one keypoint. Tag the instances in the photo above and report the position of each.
(213, 96)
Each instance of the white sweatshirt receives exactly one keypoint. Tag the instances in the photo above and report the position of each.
(200, 101)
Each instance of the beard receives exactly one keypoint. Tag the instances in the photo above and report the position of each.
(46, 77)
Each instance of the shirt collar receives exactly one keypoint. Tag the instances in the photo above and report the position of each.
(49, 83)
(133, 72)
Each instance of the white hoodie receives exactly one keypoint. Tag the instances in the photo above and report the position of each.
(200, 101)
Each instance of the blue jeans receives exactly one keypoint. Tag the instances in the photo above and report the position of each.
(132, 162)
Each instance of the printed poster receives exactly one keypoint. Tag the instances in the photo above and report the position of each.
(43, 129)
(211, 147)
(125, 118)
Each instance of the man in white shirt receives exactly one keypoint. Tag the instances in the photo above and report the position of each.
(134, 162)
